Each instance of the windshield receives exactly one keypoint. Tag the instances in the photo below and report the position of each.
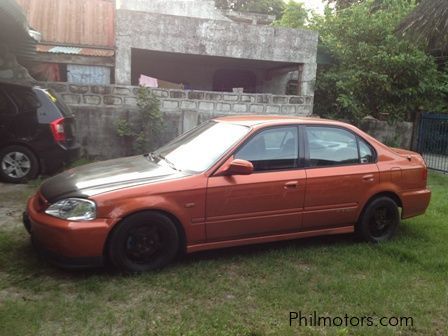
(198, 149)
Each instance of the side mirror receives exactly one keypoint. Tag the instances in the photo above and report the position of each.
(239, 167)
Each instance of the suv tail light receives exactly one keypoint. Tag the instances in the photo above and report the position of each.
(57, 128)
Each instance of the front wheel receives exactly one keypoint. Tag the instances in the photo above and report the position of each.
(142, 242)
(379, 221)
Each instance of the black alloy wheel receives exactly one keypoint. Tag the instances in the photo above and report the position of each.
(142, 242)
(379, 220)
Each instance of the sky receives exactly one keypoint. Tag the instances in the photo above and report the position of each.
(316, 5)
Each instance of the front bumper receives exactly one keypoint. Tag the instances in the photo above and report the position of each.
(65, 243)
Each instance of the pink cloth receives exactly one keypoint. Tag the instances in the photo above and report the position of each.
(148, 81)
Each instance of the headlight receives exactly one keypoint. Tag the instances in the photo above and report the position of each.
(75, 209)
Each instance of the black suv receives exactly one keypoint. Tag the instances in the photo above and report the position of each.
(36, 133)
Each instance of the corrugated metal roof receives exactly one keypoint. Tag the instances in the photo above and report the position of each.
(65, 50)
(76, 22)
(75, 50)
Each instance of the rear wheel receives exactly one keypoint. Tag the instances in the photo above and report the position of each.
(379, 221)
(18, 164)
(142, 242)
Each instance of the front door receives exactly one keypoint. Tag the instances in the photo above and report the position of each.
(268, 201)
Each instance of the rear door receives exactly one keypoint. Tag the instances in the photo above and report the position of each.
(341, 172)
(23, 121)
(8, 111)
(25, 124)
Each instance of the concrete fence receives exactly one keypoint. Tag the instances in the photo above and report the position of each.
(397, 134)
(98, 108)
(180, 100)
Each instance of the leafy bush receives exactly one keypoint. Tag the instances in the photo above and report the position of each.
(376, 72)
(145, 130)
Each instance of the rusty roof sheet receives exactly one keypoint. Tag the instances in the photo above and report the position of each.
(75, 22)
(75, 50)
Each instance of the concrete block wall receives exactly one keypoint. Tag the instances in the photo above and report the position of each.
(97, 108)
(398, 134)
(180, 100)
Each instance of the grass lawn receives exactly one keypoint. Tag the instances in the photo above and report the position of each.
(240, 291)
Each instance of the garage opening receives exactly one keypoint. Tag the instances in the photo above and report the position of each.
(212, 73)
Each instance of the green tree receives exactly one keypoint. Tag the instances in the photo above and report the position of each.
(295, 15)
(342, 4)
(375, 72)
(271, 7)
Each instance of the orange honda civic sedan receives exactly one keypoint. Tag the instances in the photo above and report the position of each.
(231, 181)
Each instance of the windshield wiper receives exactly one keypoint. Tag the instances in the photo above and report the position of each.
(150, 156)
(153, 156)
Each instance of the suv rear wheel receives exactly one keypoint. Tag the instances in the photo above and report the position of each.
(18, 164)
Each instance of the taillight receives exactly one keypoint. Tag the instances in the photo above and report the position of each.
(57, 128)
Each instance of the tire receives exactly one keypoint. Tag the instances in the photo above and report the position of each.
(18, 164)
(143, 242)
(379, 220)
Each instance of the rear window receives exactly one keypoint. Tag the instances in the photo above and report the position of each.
(59, 103)
(52, 107)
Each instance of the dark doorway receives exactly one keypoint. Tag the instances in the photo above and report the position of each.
(227, 79)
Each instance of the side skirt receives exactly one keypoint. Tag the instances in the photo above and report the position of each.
(267, 239)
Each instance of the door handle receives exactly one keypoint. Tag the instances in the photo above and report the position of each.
(368, 178)
(291, 185)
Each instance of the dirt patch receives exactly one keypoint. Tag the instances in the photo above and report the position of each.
(12, 203)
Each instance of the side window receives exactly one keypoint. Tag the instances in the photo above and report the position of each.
(272, 149)
(25, 99)
(6, 106)
(331, 146)
(365, 152)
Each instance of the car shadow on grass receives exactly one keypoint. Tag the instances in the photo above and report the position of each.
(30, 264)
(25, 263)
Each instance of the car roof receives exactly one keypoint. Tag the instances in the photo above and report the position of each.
(258, 120)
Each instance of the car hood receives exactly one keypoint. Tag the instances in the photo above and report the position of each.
(105, 176)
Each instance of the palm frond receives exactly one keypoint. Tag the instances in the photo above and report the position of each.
(428, 23)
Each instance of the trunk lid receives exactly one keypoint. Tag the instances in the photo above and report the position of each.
(410, 155)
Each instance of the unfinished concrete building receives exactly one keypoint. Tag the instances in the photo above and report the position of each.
(194, 45)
